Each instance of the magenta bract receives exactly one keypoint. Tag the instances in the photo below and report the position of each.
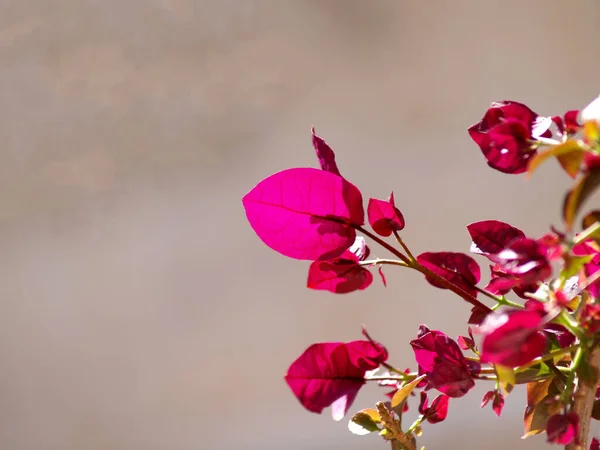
(591, 161)
(438, 411)
(333, 372)
(458, 268)
(568, 123)
(324, 154)
(524, 261)
(478, 314)
(384, 217)
(305, 213)
(441, 359)
(512, 338)
(503, 136)
(563, 337)
(590, 248)
(497, 401)
(562, 428)
(340, 275)
(501, 283)
(492, 236)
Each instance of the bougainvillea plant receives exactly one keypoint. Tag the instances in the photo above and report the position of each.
(537, 322)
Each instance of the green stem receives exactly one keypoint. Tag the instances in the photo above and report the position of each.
(451, 286)
(385, 379)
(384, 244)
(404, 246)
(377, 261)
(415, 265)
(407, 376)
(546, 141)
(554, 354)
(569, 323)
(577, 358)
(489, 294)
(587, 233)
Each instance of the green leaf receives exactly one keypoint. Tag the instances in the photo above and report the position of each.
(364, 422)
(570, 151)
(590, 219)
(573, 265)
(533, 373)
(403, 393)
(506, 378)
(579, 194)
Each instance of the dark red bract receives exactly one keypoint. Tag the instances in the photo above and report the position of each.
(340, 275)
(458, 268)
(562, 428)
(332, 373)
(325, 154)
(437, 411)
(568, 123)
(384, 217)
(497, 401)
(590, 247)
(523, 263)
(503, 135)
(492, 236)
(441, 359)
(512, 338)
(502, 283)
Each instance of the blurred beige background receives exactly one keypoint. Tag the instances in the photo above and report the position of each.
(139, 311)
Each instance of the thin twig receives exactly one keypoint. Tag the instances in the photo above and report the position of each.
(585, 394)
(384, 244)
(404, 246)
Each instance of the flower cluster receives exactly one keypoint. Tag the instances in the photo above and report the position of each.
(547, 337)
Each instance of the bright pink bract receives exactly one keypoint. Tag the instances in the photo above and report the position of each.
(305, 213)
(384, 217)
(333, 372)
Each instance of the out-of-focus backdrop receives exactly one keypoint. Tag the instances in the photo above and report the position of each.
(138, 310)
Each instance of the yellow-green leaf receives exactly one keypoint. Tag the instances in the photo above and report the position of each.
(506, 378)
(590, 219)
(591, 131)
(403, 393)
(573, 264)
(579, 194)
(571, 163)
(571, 147)
(364, 422)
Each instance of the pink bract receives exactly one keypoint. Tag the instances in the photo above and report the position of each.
(332, 373)
(492, 236)
(503, 135)
(590, 248)
(384, 217)
(442, 361)
(458, 268)
(325, 154)
(437, 411)
(562, 428)
(497, 401)
(340, 275)
(512, 338)
(305, 213)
